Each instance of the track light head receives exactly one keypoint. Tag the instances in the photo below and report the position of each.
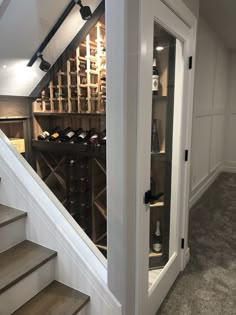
(44, 65)
(85, 11)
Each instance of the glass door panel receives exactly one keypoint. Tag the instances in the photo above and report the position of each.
(163, 79)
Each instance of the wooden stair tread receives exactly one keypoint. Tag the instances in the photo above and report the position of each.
(55, 299)
(20, 260)
(8, 215)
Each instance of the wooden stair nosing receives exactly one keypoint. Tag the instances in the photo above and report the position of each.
(19, 261)
(55, 299)
(8, 215)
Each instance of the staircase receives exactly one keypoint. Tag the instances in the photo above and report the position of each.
(27, 274)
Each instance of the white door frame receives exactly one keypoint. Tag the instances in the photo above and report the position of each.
(147, 301)
(124, 243)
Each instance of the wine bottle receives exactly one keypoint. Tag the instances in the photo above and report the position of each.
(82, 136)
(155, 78)
(77, 133)
(91, 133)
(58, 134)
(93, 139)
(157, 239)
(45, 134)
(103, 137)
(155, 144)
(67, 135)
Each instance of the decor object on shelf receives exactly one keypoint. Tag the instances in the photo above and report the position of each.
(157, 239)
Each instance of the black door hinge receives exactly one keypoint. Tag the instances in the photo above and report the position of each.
(190, 62)
(186, 156)
(182, 243)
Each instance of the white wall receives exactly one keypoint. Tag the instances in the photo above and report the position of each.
(210, 103)
(230, 130)
(193, 5)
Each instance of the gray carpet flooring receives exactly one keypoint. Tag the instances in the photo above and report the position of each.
(208, 284)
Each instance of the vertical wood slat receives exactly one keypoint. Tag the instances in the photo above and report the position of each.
(98, 26)
(68, 74)
(88, 56)
(78, 78)
(59, 74)
(51, 95)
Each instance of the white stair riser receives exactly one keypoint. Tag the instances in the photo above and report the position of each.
(84, 311)
(24, 290)
(12, 234)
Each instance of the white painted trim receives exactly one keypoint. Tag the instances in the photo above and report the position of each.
(168, 19)
(229, 169)
(203, 185)
(209, 112)
(181, 10)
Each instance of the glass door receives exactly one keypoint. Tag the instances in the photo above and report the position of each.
(162, 132)
(163, 85)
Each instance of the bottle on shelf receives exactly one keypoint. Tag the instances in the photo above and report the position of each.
(91, 137)
(76, 135)
(155, 78)
(94, 139)
(57, 134)
(82, 137)
(45, 134)
(67, 135)
(82, 67)
(103, 137)
(155, 144)
(157, 239)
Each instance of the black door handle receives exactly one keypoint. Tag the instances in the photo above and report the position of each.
(148, 197)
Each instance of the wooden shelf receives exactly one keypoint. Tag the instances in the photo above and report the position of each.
(85, 150)
(159, 97)
(64, 114)
(154, 254)
(157, 204)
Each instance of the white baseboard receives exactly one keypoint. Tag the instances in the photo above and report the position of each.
(204, 185)
(229, 169)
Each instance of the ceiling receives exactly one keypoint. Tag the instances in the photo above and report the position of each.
(24, 24)
(221, 17)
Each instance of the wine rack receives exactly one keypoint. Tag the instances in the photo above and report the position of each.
(79, 85)
(75, 97)
(76, 174)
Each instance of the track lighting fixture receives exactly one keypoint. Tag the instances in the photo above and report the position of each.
(85, 11)
(86, 14)
(44, 65)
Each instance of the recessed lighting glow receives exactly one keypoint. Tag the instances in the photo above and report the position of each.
(4, 66)
(159, 48)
